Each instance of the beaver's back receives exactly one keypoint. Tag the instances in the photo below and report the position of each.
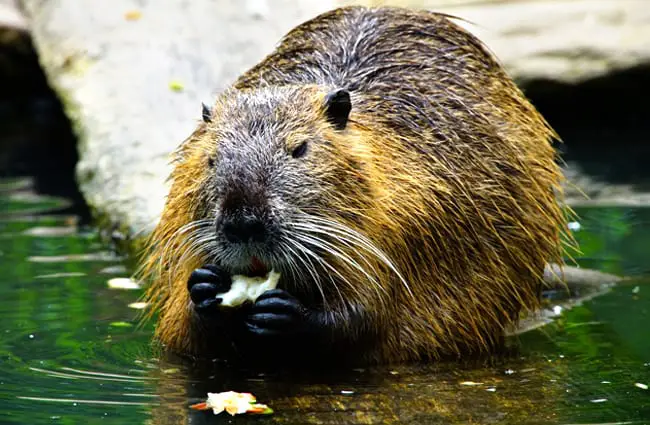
(408, 67)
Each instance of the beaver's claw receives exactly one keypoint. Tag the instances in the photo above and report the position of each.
(204, 284)
(276, 313)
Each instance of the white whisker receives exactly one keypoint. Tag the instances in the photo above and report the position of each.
(325, 265)
(192, 244)
(310, 268)
(314, 224)
(331, 249)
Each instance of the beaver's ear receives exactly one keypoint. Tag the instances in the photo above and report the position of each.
(337, 108)
(206, 113)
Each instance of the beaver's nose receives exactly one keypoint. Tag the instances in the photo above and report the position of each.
(244, 229)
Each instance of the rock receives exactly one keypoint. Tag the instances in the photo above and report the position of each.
(568, 41)
(585, 190)
(576, 279)
(132, 74)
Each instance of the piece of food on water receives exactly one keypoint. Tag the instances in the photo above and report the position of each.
(248, 288)
(234, 403)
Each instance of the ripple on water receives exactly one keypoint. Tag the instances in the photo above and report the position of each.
(60, 357)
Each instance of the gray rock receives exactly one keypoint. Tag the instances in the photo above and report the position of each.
(584, 190)
(568, 41)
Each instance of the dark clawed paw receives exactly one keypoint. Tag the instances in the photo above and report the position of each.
(204, 284)
(276, 313)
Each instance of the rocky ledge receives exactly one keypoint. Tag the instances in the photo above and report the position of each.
(132, 73)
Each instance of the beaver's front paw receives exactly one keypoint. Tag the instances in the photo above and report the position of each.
(204, 284)
(276, 313)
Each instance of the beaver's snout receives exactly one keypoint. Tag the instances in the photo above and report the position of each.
(244, 215)
(243, 229)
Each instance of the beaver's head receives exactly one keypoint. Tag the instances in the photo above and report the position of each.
(285, 173)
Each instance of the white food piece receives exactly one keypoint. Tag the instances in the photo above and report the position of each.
(245, 288)
(123, 283)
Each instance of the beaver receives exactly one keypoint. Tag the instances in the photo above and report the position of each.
(382, 160)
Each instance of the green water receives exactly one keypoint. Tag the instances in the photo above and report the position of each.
(69, 352)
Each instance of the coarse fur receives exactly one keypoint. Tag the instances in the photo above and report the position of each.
(433, 212)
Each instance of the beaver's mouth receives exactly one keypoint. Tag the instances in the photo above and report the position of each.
(257, 268)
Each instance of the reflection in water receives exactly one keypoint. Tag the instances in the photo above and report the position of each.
(71, 350)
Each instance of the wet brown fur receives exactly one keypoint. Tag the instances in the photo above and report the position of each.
(459, 182)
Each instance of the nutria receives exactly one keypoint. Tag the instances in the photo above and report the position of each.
(381, 160)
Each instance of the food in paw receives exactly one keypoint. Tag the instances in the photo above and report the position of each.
(247, 288)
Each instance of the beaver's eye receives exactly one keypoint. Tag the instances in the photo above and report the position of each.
(210, 161)
(299, 151)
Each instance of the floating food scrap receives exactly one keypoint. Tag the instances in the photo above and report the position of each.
(234, 403)
(176, 85)
(132, 15)
(642, 386)
(574, 225)
(123, 283)
(138, 305)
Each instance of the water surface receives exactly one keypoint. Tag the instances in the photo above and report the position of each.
(70, 351)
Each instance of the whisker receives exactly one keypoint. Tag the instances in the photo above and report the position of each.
(310, 268)
(331, 268)
(320, 225)
(349, 244)
(325, 265)
(334, 250)
(191, 246)
(291, 257)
